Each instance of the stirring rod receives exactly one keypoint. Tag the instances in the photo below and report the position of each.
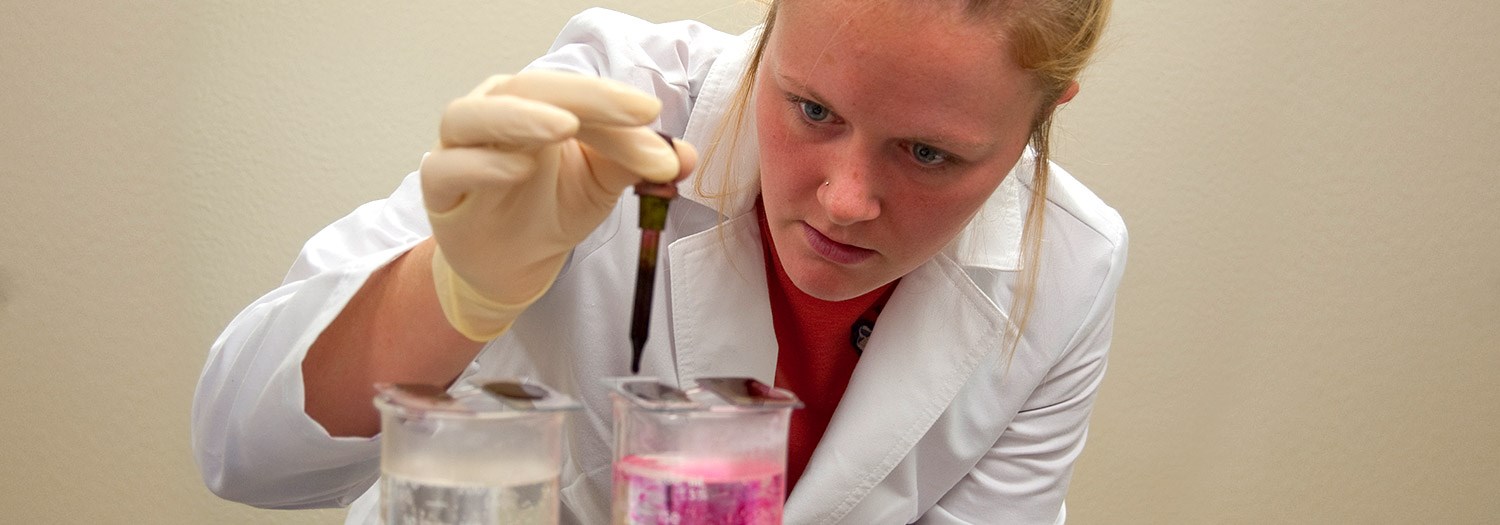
(654, 200)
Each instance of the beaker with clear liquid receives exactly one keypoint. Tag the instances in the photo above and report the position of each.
(487, 453)
(714, 453)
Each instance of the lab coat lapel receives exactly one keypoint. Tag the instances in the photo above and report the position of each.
(721, 320)
(926, 344)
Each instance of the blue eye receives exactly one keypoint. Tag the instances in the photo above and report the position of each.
(814, 111)
(927, 155)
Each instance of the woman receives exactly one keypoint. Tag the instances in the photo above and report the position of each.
(866, 173)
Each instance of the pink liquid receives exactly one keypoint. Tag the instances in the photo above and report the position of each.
(656, 490)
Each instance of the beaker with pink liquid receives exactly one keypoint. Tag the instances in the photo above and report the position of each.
(714, 453)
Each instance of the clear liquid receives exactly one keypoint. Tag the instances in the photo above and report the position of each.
(657, 490)
(406, 501)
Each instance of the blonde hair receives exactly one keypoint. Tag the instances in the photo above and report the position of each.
(1051, 39)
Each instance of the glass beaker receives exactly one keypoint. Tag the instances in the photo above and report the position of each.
(715, 453)
(488, 453)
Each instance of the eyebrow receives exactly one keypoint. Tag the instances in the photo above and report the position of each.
(811, 93)
(947, 144)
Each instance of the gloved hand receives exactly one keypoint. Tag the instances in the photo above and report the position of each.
(527, 166)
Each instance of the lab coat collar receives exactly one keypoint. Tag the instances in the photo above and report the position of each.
(728, 180)
(935, 329)
(992, 239)
(721, 318)
(728, 176)
(932, 334)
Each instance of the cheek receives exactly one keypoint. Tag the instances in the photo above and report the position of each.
(770, 133)
(786, 163)
(929, 219)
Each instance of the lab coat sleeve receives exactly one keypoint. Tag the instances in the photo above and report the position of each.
(1025, 475)
(669, 61)
(252, 439)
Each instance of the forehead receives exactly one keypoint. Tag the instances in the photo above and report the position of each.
(897, 58)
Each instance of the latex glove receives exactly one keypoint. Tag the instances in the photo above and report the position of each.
(528, 165)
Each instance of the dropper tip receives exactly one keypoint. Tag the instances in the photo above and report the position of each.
(635, 357)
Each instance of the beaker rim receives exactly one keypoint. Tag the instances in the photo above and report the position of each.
(386, 406)
(472, 399)
(712, 395)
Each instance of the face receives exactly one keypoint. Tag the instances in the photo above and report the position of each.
(883, 127)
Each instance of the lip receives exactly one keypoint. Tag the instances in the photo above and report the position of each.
(832, 250)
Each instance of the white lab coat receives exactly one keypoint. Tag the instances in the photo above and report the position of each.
(935, 427)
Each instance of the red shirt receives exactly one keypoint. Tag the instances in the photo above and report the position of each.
(816, 354)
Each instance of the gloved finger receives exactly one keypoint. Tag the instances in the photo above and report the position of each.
(504, 121)
(594, 100)
(450, 175)
(484, 88)
(613, 177)
(687, 158)
(638, 150)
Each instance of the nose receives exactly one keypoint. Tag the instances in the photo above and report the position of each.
(848, 195)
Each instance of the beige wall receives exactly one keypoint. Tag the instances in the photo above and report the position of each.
(1307, 334)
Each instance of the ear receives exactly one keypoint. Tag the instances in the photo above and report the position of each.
(1068, 94)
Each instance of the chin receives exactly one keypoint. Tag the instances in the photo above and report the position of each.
(828, 287)
(833, 296)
